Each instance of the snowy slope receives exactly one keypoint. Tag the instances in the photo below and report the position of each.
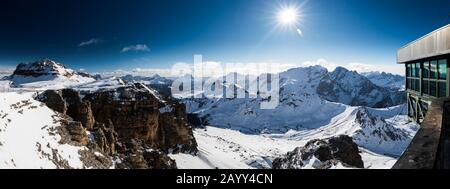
(301, 106)
(241, 134)
(297, 100)
(381, 134)
(351, 88)
(105, 83)
(46, 74)
(230, 149)
(153, 80)
(28, 137)
(384, 79)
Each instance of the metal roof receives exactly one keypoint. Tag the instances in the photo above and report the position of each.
(433, 44)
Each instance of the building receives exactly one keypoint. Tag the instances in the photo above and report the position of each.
(427, 71)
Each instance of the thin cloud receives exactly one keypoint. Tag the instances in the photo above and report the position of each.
(92, 41)
(136, 48)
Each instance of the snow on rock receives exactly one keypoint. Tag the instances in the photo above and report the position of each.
(378, 135)
(383, 79)
(300, 107)
(231, 149)
(309, 98)
(381, 135)
(29, 137)
(47, 74)
(322, 154)
(101, 84)
(153, 80)
(351, 88)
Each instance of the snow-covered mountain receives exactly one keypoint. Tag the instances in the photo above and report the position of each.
(380, 133)
(152, 80)
(383, 79)
(309, 98)
(34, 136)
(306, 112)
(314, 105)
(46, 73)
(351, 88)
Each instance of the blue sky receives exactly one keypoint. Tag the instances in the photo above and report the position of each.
(104, 36)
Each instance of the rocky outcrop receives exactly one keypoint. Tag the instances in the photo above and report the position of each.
(137, 154)
(125, 123)
(322, 154)
(132, 111)
(353, 89)
(172, 132)
(42, 68)
(54, 100)
(378, 136)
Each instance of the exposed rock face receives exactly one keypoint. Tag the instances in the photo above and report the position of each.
(350, 88)
(132, 111)
(379, 136)
(77, 109)
(172, 132)
(54, 100)
(159, 160)
(42, 68)
(126, 122)
(388, 80)
(77, 132)
(137, 113)
(105, 139)
(322, 154)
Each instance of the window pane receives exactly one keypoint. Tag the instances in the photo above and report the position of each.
(408, 86)
(426, 68)
(425, 87)
(433, 67)
(417, 85)
(409, 70)
(417, 69)
(442, 89)
(442, 69)
(432, 88)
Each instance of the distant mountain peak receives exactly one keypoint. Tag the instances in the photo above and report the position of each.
(47, 73)
(41, 68)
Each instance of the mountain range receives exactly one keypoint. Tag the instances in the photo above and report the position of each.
(93, 116)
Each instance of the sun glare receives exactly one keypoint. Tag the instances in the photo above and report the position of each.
(288, 16)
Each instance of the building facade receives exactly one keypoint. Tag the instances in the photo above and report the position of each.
(427, 83)
(426, 63)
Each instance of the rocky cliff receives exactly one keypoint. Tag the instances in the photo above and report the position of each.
(134, 125)
(322, 154)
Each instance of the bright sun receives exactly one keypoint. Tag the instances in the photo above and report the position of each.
(288, 16)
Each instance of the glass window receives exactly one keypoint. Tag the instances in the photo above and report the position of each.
(413, 70)
(409, 84)
(417, 85)
(433, 69)
(442, 69)
(432, 88)
(417, 68)
(426, 69)
(408, 70)
(425, 87)
(442, 89)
